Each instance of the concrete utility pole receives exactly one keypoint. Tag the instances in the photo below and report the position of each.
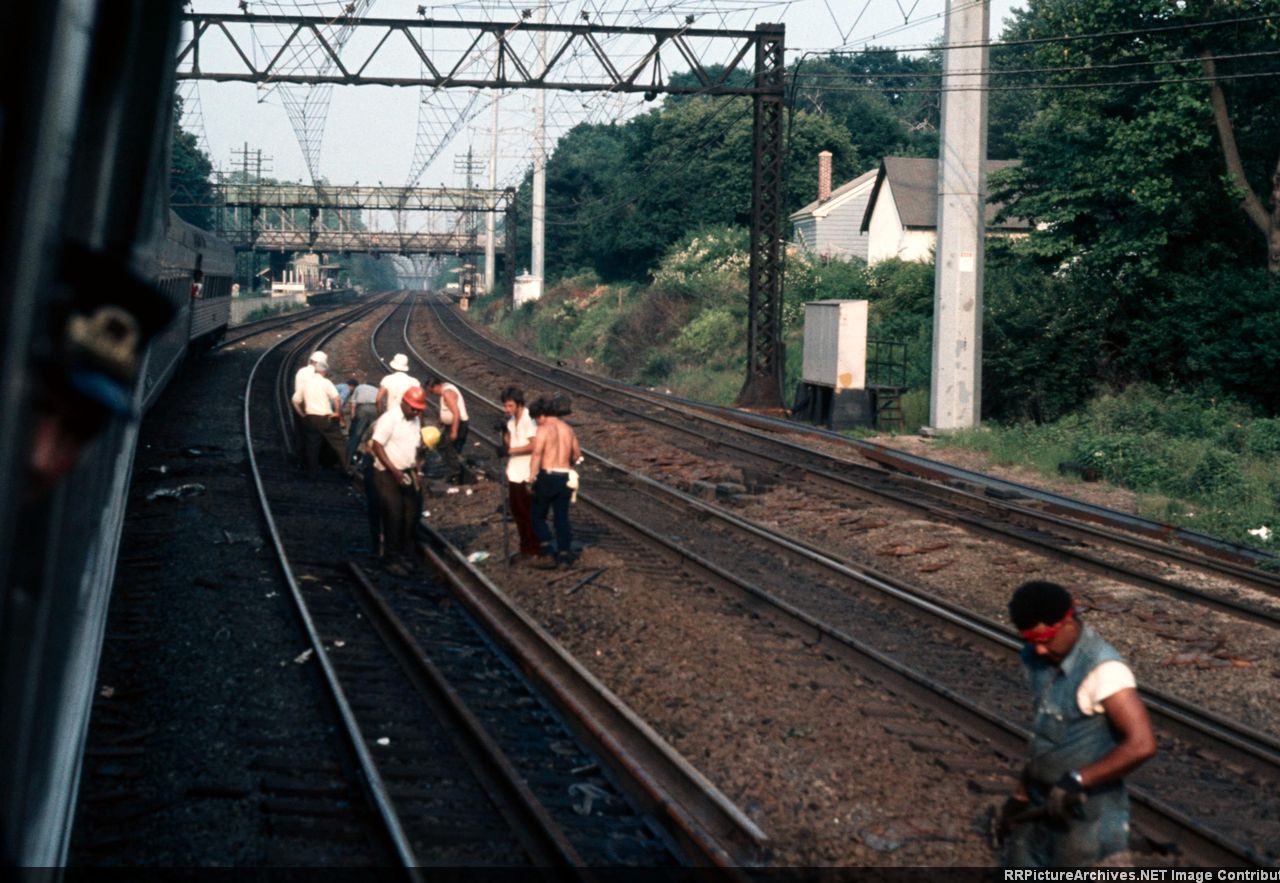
(490, 221)
(955, 400)
(537, 261)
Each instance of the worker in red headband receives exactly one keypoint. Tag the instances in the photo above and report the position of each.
(1091, 729)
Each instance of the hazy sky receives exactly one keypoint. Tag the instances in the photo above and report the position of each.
(369, 132)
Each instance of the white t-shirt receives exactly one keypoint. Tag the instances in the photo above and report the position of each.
(316, 395)
(522, 432)
(399, 437)
(397, 384)
(1102, 683)
(307, 370)
(446, 415)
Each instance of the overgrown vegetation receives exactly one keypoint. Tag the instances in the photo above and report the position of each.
(1195, 461)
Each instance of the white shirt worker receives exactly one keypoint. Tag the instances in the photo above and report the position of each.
(399, 437)
(306, 371)
(446, 415)
(397, 383)
(316, 396)
(522, 431)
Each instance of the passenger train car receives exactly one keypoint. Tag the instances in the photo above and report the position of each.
(105, 291)
(193, 270)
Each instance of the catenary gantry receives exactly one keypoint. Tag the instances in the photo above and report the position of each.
(572, 57)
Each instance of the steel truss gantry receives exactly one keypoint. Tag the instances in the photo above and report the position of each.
(400, 57)
(271, 223)
(363, 198)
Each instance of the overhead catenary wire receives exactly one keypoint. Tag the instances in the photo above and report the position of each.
(1049, 69)
(1059, 38)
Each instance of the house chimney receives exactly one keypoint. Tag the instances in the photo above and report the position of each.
(824, 176)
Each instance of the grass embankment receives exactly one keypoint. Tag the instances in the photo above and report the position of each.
(683, 330)
(1194, 461)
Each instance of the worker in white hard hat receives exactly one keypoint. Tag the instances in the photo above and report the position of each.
(318, 404)
(395, 384)
(303, 374)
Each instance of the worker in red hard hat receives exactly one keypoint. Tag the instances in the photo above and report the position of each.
(396, 440)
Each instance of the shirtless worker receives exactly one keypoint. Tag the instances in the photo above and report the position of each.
(1091, 729)
(555, 452)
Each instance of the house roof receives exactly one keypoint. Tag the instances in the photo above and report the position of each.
(914, 182)
(819, 208)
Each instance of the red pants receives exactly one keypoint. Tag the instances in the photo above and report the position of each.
(521, 499)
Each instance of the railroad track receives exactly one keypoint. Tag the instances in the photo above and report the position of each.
(1054, 536)
(1210, 791)
(463, 760)
(323, 314)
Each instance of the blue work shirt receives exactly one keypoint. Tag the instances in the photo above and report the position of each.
(1063, 739)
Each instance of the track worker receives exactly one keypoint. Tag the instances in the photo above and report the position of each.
(395, 384)
(518, 439)
(316, 402)
(362, 411)
(300, 377)
(457, 426)
(317, 358)
(555, 451)
(397, 435)
(1091, 729)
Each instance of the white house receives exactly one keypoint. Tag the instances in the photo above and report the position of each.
(901, 215)
(829, 225)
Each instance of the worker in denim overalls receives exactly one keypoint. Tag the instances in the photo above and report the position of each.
(1091, 729)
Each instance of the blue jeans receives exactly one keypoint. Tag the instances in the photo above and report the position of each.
(364, 417)
(551, 492)
(1096, 830)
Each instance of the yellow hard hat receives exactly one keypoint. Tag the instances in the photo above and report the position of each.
(430, 437)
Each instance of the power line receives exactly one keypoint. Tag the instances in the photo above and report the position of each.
(1036, 41)
(1027, 87)
(1052, 69)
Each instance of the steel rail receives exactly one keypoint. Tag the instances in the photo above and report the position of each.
(707, 825)
(1175, 714)
(1249, 745)
(272, 322)
(374, 783)
(541, 837)
(699, 815)
(1164, 823)
(1088, 562)
(1216, 548)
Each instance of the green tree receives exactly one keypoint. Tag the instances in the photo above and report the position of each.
(618, 196)
(889, 103)
(190, 188)
(1122, 165)
(1125, 177)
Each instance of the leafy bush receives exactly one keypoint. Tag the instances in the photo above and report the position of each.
(1196, 460)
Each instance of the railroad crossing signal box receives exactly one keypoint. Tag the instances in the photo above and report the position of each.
(833, 389)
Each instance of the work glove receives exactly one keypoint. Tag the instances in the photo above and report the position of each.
(1066, 795)
(1003, 822)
